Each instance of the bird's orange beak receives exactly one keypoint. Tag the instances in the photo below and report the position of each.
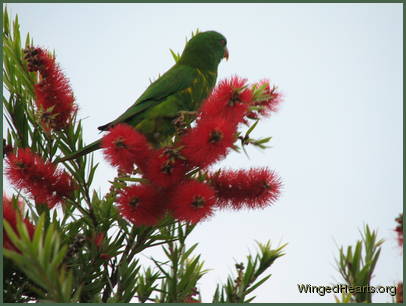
(226, 53)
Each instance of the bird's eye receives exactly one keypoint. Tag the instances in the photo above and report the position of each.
(223, 42)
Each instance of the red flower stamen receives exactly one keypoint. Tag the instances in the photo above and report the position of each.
(229, 100)
(192, 201)
(208, 142)
(98, 239)
(45, 183)
(125, 148)
(165, 168)
(141, 204)
(255, 188)
(54, 96)
(268, 101)
(399, 229)
(399, 293)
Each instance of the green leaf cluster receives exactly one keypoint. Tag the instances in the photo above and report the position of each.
(248, 276)
(356, 264)
(41, 260)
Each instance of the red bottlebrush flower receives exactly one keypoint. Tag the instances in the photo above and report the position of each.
(191, 300)
(10, 213)
(265, 97)
(399, 229)
(105, 256)
(255, 188)
(124, 147)
(141, 204)
(194, 297)
(47, 184)
(229, 100)
(399, 293)
(165, 168)
(98, 239)
(208, 142)
(54, 96)
(192, 201)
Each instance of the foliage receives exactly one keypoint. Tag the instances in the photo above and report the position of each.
(356, 265)
(236, 290)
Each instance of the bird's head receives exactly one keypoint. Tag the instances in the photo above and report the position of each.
(205, 50)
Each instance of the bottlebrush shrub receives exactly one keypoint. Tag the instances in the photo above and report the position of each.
(46, 184)
(167, 169)
(88, 250)
(54, 96)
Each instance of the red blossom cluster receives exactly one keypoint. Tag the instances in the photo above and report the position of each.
(165, 168)
(194, 297)
(399, 293)
(10, 214)
(46, 184)
(125, 148)
(54, 96)
(192, 201)
(169, 189)
(399, 232)
(230, 100)
(98, 239)
(399, 229)
(208, 142)
(141, 204)
(266, 99)
(254, 188)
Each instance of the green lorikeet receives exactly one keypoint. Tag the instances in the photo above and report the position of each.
(181, 89)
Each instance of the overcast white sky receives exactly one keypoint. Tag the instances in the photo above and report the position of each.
(337, 140)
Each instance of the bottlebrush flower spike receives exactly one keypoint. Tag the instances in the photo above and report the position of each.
(105, 256)
(46, 184)
(229, 100)
(141, 204)
(399, 293)
(255, 188)
(266, 98)
(208, 142)
(399, 229)
(125, 147)
(192, 201)
(54, 96)
(165, 167)
(10, 213)
(191, 300)
(98, 239)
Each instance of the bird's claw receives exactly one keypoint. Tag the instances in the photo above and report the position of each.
(182, 121)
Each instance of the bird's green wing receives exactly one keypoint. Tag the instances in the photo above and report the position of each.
(178, 78)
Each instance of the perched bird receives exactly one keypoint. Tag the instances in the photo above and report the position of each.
(181, 89)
